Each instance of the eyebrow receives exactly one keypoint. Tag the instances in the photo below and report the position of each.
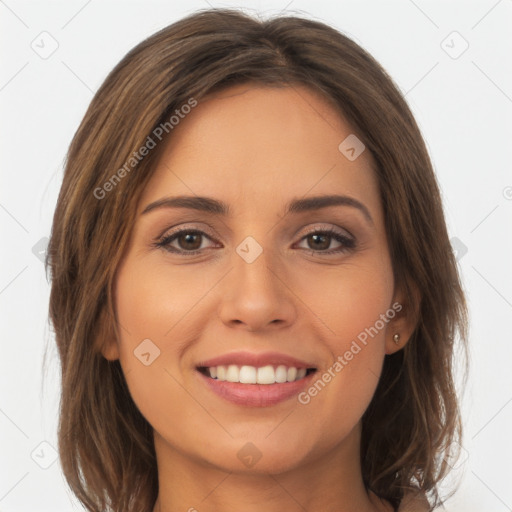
(216, 207)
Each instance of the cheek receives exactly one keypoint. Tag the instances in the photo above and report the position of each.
(353, 308)
(348, 299)
(147, 309)
(162, 305)
(153, 302)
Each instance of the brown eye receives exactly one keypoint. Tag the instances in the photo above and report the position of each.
(319, 242)
(189, 241)
(185, 241)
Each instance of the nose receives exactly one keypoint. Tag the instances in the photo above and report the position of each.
(256, 296)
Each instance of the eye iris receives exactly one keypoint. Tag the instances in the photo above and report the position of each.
(324, 245)
(189, 239)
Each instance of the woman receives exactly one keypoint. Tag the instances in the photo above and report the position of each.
(253, 291)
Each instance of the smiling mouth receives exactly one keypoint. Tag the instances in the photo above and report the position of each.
(266, 375)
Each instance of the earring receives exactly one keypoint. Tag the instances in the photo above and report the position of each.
(396, 338)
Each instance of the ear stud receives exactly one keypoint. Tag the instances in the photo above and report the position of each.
(396, 338)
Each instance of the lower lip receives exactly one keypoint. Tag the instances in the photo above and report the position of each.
(256, 395)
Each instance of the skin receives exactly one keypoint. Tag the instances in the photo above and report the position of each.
(256, 148)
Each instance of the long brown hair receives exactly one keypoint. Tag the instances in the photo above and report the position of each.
(105, 444)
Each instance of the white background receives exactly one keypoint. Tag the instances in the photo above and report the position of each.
(463, 106)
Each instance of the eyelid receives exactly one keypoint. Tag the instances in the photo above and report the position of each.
(329, 227)
(340, 235)
(169, 231)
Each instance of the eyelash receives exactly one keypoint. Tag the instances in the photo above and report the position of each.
(349, 244)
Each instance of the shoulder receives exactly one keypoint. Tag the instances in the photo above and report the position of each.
(414, 502)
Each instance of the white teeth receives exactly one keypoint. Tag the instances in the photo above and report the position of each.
(252, 375)
(266, 375)
(292, 374)
(281, 374)
(233, 373)
(221, 372)
(248, 375)
(301, 373)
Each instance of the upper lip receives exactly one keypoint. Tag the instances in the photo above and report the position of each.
(255, 359)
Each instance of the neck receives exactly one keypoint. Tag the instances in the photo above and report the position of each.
(332, 482)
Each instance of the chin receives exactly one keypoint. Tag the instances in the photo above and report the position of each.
(263, 454)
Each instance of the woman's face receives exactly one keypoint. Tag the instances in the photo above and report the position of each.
(272, 287)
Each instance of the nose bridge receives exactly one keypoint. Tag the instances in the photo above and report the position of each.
(254, 293)
(255, 268)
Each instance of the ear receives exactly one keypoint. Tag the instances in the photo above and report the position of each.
(106, 340)
(403, 324)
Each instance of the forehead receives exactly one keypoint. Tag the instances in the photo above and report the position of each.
(261, 142)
